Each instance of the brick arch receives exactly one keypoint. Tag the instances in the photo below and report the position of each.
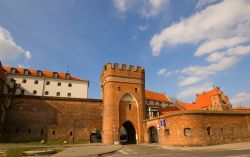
(129, 111)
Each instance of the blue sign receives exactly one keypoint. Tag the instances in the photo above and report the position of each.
(163, 122)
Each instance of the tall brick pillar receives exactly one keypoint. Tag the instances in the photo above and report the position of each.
(118, 84)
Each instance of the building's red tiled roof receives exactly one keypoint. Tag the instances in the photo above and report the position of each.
(165, 110)
(156, 96)
(188, 106)
(45, 73)
(204, 99)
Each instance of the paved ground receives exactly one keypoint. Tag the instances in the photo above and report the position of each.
(88, 150)
(152, 150)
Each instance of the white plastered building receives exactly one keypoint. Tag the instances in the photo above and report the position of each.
(47, 83)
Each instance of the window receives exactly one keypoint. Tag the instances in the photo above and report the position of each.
(39, 73)
(29, 131)
(42, 132)
(58, 94)
(46, 93)
(26, 72)
(67, 76)
(36, 82)
(71, 133)
(34, 92)
(24, 81)
(47, 83)
(119, 88)
(55, 74)
(167, 132)
(70, 85)
(187, 132)
(129, 106)
(135, 89)
(69, 94)
(208, 130)
(59, 84)
(53, 132)
(13, 71)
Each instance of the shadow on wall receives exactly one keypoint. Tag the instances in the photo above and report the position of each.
(29, 120)
(54, 119)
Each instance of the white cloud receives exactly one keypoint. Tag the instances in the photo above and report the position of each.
(242, 99)
(223, 20)
(218, 44)
(152, 8)
(121, 5)
(192, 90)
(23, 66)
(203, 3)
(196, 74)
(9, 50)
(143, 28)
(164, 72)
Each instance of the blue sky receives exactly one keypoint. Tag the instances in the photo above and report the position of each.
(186, 46)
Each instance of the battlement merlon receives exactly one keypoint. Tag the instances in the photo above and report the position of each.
(122, 70)
(116, 66)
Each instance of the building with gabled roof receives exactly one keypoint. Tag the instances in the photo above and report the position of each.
(47, 83)
(213, 100)
(154, 100)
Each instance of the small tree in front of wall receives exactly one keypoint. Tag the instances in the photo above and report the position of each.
(8, 100)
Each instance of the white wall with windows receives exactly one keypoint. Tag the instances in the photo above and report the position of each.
(55, 87)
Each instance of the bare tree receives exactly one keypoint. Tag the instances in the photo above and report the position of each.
(14, 91)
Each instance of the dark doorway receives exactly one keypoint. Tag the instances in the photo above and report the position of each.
(96, 136)
(127, 133)
(153, 135)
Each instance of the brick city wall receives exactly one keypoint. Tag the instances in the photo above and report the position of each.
(203, 128)
(35, 119)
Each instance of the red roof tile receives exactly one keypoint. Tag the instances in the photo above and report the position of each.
(188, 106)
(165, 110)
(33, 72)
(156, 96)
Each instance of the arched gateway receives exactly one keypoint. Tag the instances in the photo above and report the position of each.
(123, 103)
(127, 133)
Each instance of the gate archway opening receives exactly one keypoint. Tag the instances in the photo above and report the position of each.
(127, 133)
(153, 135)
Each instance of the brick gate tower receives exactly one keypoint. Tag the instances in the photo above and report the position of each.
(123, 103)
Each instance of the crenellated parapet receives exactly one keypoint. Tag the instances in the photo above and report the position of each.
(122, 73)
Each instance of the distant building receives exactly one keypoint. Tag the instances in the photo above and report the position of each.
(154, 101)
(213, 100)
(47, 83)
(242, 109)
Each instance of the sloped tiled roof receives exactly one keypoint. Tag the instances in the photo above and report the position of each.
(45, 73)
(156, 96)
(188, 106)
(204, 99)
(165, 110)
